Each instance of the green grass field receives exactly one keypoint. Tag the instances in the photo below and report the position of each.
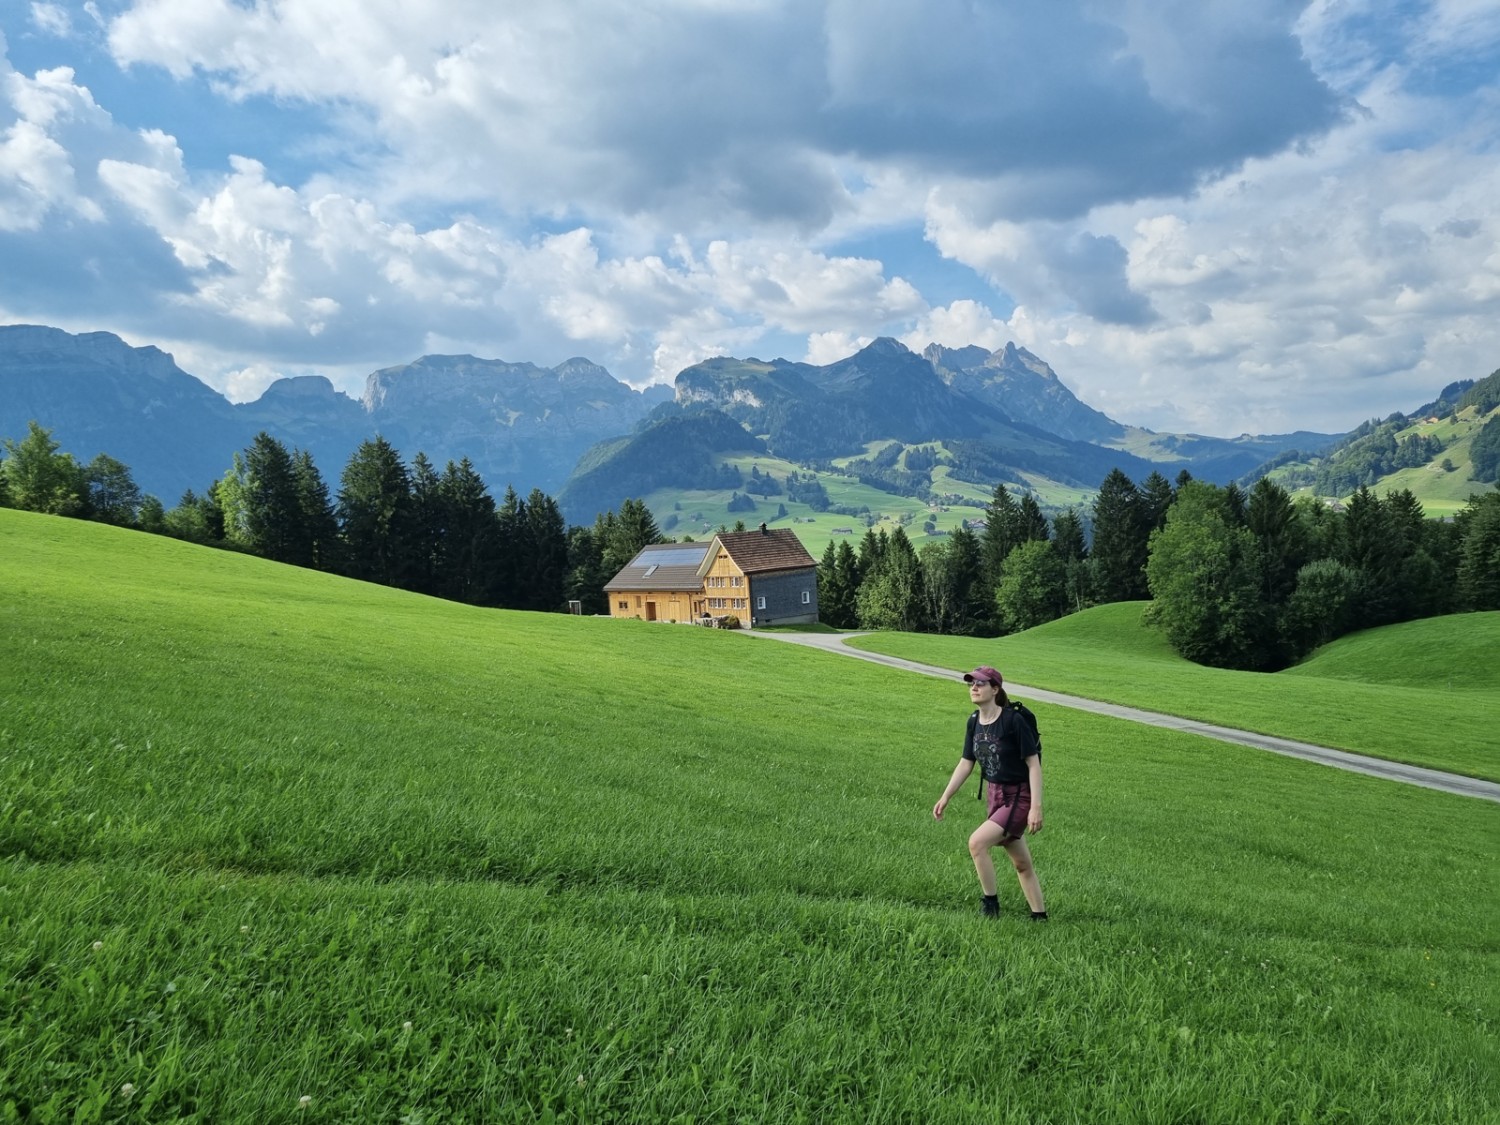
(267, 835)
(1425, 692)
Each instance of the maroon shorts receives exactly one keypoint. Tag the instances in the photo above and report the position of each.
(1010, 805)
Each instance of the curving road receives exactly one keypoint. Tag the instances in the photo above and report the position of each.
(1340, 759)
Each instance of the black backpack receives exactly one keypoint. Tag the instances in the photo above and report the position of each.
(1030, 716)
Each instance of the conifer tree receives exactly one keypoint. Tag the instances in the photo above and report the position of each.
(1479, 553)
(268, 514)
(1072, 551)
(428, 528)
(511, 550)
(846, 563)
(1280, 540)
(1030, 523)
(1118, 558)
(472, 541)
(318, 544)
(546, 564)
(1001, 534)
(1156, 498)
(375, 514)
(586, 575)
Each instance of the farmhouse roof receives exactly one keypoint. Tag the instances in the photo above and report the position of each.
(662, 566)
(757, 552)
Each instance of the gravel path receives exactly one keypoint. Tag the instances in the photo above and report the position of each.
(1340, 759)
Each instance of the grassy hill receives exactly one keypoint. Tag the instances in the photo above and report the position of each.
(1443, 490)
(699, 512)
(1426, 692)
(267, 835)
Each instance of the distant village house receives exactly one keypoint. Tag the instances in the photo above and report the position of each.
(762, 577)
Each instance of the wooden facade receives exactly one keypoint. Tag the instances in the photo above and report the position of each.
(760, 577)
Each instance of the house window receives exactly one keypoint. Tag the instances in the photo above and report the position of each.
(624, 604)
(760, 603)
(736, 580)
(807, 597)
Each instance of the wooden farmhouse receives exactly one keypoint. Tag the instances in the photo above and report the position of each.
(762, 577)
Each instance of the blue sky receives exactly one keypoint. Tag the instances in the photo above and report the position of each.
(1207, 216)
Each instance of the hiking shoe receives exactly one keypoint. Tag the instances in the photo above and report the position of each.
(989, 906)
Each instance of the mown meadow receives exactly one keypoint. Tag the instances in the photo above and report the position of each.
(277, 846)
(1423, 692)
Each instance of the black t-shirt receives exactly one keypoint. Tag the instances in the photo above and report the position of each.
(1001, 748)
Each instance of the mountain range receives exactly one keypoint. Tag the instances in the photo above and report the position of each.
(574, 429)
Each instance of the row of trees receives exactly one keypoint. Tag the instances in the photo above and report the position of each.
(411, 526)
(1243, 580)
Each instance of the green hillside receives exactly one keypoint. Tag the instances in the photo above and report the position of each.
(1441, 481)
(697, 513)
(277, 846)
(1426, 692)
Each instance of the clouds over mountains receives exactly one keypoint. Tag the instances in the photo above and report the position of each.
(1161, 198)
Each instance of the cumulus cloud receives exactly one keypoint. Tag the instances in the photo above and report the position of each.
(766, 109)
(1203, 215)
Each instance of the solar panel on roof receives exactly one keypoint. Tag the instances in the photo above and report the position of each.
(682, 556)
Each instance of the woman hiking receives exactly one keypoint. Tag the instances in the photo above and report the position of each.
(1011, 761)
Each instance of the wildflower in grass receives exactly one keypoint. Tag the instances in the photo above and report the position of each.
(581, 1081)
(171, 987)
(406, 1026)
(568, 1031)
(671, 1052)
(98, 945)
(126, 1091)
(304, 1101)
(244, 929)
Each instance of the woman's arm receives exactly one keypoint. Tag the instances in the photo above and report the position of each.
(961, 774)
(1034, 773)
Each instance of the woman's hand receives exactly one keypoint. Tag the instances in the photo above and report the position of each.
(1034, 820)
(937, 809)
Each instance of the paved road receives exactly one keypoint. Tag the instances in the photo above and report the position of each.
(1341, 759)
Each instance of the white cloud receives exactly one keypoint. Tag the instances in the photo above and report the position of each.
(51, 19)
(1190, 216)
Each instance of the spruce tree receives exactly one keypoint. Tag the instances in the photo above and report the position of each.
(1479, 553)
(268, 516)
(1031, 524)
(375, 514)
(1280, 540)
(511, 551)
(429, 528)
(1118, 559)
(472, 541)
(318, 543)
(545, 573)
(586, 577)
(972, 599)
(1156, 498)
(1001, 534)
(829, 593)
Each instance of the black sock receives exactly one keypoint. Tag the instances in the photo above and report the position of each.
(989, 905)
(1038, 915)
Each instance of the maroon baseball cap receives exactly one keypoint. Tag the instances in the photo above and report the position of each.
(983, 674)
